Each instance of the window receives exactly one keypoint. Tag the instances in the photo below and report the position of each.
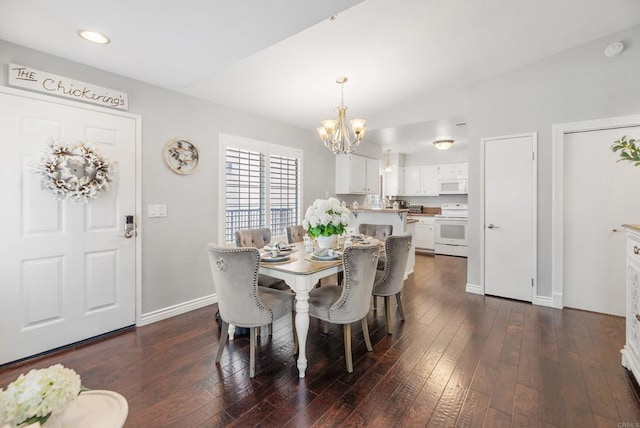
(260, 186)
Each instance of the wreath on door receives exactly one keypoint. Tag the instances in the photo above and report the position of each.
(74, 171)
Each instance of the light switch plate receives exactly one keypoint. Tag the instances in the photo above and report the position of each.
(157, 210)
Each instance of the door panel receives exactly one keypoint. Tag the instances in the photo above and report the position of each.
(598, 199)
(66, 274)
(509, 238)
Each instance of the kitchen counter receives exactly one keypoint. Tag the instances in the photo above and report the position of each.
(379, 210)
(397, 219)
(635, 227)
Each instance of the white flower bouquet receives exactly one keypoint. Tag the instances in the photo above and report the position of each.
(34, 397)
(325, 217)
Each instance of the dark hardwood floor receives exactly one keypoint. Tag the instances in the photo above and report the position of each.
(457, 360)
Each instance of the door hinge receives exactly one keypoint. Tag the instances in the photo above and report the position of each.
(533, 156)
(532, 282)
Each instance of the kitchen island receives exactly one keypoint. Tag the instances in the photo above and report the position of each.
(397, 218)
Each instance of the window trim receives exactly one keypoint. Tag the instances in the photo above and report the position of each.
(268, 149)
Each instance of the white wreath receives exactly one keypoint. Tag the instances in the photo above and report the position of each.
(74, 171)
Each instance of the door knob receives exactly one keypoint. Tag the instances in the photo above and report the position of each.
(491, 226)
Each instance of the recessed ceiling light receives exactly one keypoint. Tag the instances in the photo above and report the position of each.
(94, 37)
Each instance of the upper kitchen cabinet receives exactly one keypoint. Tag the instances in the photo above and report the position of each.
(453, 170)
(429, 180)
(421, 180)
(412, 180)
(394, 181)
(357, 174)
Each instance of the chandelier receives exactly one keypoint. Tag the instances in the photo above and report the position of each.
(336, 134)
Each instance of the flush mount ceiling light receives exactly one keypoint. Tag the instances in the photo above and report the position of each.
(387, 163)
(443, 144)
(94, 37)
(336, 135)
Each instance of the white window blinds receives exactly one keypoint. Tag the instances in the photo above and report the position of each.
(283, 194)
(261, 187)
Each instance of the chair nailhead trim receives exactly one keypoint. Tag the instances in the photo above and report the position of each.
(347, 276)
(255, 273)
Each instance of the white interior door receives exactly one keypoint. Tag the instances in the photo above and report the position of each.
(510, 216)
(66, 274)
(600, 194)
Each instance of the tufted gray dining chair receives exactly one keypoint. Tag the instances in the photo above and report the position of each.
(378, 231)
(258, 238)
(350, 302)
(295, 234)
(253, 237)
(389, 281)
(241, 301)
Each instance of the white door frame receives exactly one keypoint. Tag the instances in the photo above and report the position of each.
(557, 191)
(534, 251)
(138, 172)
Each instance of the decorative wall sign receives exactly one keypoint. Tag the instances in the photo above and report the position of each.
(182, 156)
(52, 84)
(74, 171)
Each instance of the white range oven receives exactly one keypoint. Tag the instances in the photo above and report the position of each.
(451, 230)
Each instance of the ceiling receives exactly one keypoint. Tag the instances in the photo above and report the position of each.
(280, 59)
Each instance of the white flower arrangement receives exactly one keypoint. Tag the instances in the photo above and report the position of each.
(74, 171)
(34, 397)
(325, 217)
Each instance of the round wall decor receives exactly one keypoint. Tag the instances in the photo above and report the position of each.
(182, 156)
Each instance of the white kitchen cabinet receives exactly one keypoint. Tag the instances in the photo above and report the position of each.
(631, 350)
(421, 180)
(429, 180)
(394, 182)
(424, 238)
(357, 174)
(412, 180)
(372, 175)
(462, 170)
(453, 170)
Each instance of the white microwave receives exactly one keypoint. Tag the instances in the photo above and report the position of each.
(452, 186)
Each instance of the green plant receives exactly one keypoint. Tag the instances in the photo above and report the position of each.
(628, 149)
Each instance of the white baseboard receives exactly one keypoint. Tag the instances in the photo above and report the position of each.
(543, 301)
(557, 301)
(474, 289)
(178, 309)
(551, 302)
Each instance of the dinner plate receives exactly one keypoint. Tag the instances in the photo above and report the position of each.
(276, 248)
(325, 257)
(95, 409)
(280, 258)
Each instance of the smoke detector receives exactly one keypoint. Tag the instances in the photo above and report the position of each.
(614, 49)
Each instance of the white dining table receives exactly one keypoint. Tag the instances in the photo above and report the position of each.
(301, 275)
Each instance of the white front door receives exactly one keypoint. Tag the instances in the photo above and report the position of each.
(510, 216)
(600, 194)
(66, 274)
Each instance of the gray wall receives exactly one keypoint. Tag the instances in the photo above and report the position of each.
(580, 84)
(174, 261)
